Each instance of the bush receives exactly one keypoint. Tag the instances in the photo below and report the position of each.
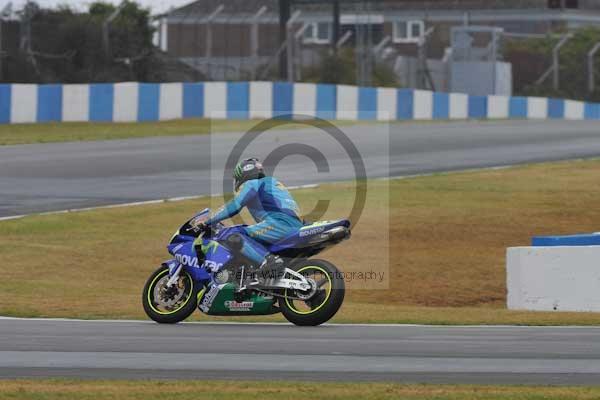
(532, 57)
(341, 69)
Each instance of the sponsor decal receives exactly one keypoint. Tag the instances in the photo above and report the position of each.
(177, 248)
(241, 306)
(187, 260)
(311, 231)
(212, 265)
(209, 297)
(248, 167)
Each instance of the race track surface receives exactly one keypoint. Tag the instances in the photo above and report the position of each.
(47, 177)
(131, 350)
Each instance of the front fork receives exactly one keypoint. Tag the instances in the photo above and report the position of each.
(174, 270)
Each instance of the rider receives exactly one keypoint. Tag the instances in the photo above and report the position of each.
(270, 204)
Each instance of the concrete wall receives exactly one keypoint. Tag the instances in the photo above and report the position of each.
(481, 77)
(561, 278)
(137, 102)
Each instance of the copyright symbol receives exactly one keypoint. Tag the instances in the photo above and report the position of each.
(277, 155)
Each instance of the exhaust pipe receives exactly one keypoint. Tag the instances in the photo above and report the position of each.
(334, 235)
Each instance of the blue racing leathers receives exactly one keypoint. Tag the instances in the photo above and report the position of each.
(272, 207)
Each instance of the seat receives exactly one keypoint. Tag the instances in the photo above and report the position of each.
(306, 234)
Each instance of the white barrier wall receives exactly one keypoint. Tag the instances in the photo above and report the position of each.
(553, 278)
(171, 101)
(347, 102)
(261, 100)
(537, 108)
(305, 99)
(75, 106)
(215, 100)
(24, 103)
(574, 110)
(125, 102)
(423, 104)
(459, 106)
(386, 104)
(498, 106)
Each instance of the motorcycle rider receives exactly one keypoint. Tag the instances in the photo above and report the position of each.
(271, 206)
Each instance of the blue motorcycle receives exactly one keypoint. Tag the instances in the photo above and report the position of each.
(206, 273)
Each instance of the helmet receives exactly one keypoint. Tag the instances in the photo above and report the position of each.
(245, 170)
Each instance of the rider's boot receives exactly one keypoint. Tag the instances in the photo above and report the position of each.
(271, 268)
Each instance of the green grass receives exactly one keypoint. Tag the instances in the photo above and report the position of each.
(50, 389)
(439, 240)
(90, 131)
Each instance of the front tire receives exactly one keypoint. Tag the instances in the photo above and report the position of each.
(321, 306)
(169, 306)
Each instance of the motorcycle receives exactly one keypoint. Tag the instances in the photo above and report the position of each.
(206, 273)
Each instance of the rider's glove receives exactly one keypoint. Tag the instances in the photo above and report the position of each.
(202, 227)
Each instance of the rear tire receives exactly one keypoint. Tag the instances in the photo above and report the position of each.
(323, 305)
(184, 303)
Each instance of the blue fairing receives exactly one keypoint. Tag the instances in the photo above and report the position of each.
(185, 255)
(183, 243)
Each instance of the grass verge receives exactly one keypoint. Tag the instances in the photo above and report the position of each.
(182, 390)
(440, 241)
(91, 131)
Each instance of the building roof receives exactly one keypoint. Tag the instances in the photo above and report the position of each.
(250, 7)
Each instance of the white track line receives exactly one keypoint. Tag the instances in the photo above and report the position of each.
(365, 325)
(137, 203)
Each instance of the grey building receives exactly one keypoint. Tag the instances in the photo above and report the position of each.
(239, 39)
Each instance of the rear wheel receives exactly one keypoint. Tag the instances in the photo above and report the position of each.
(320, 303)
(169, 305)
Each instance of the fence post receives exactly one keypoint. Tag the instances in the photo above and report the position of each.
(590, 65)
(209, 41)
(254, 39)
(555, 60)
(106, 30)
(297, 47)
(290, 41)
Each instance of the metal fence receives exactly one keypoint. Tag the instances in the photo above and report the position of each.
(405, 43)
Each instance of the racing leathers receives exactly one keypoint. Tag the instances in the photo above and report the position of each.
(271, 206)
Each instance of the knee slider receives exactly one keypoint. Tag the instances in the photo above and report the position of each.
(235, 242)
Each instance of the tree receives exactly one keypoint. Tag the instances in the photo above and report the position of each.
(66, 45)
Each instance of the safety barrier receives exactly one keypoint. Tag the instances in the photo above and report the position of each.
(556, 273)
(139, 102)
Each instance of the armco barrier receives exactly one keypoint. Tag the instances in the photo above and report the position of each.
(137, 102)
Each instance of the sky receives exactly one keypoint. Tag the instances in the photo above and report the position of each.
(157, 6)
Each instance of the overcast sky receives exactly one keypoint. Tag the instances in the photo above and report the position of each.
(157, 6)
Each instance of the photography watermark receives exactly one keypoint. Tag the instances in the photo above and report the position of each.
(349, 277)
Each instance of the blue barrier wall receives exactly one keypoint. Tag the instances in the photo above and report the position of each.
(133, 102)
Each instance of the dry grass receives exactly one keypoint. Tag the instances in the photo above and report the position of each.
(443, 262)
(182, 390)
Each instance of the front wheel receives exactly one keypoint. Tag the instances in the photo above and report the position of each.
(321, 302)
(169, 305)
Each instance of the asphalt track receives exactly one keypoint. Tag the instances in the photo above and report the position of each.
(47, 177)
(132, 350)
